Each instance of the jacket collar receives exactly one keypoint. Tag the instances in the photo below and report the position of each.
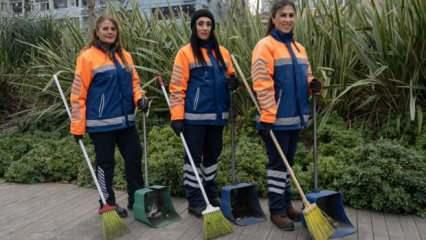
(285, 38)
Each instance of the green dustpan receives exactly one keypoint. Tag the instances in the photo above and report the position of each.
(153, 205)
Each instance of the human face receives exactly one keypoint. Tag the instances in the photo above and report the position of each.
(107, 32)
(204, 27)
(284, 19)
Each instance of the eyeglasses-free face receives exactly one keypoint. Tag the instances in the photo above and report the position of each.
(204, 27)
(284, 19)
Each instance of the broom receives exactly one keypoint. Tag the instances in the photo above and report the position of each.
(318, 223)
(112, 225)
(214, 223)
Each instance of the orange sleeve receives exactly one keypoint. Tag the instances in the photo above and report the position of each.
(81, 82)
(230, 71)
(262, 70)
(178, 86)
(136, 82)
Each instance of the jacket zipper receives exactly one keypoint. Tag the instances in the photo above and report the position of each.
(101, 105)
(279, 98)
(197, 96)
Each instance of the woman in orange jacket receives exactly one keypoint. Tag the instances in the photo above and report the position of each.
(105, 91)
(199, 98)
(282, 81)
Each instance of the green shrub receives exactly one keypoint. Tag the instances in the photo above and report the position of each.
(386, 176)
(12, 148)
(165, 159)
(48, 160)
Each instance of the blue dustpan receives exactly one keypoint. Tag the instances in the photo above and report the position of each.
(330, 202)
(239, 202)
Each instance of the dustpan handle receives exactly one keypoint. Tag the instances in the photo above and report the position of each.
(80, 142)
(272, 135)
(145, 149)
(315, 146)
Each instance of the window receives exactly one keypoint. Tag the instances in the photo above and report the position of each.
(3, 6)
(16, 6)
(41, 5)
(60, 4)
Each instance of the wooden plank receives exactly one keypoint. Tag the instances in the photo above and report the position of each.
(23, 198)
(87, 226)
(380, 231)
(17, 193)
(409, 228)
(421, 226)
(394, 227)
(301, 232)
(275, 233)
(255, 231)
(48, 215)
(352, 215)
(22, 214)
(365, 230)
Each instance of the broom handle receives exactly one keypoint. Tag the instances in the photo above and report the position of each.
(185, 145)
(315, 147)
(271, 133)
(80, 142)
(145, 150)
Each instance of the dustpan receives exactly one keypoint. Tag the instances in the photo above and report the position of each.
(153, 205)
(239, 201)
(330, 202)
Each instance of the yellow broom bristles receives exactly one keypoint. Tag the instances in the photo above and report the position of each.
(112, 225)
(318, 223)
(215, 224)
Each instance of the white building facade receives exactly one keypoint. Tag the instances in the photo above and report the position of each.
(78, 8)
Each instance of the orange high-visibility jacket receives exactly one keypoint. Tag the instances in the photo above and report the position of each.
(199, 93)
(281, 77)
(104, 92)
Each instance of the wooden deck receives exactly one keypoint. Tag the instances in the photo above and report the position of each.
(67, 212)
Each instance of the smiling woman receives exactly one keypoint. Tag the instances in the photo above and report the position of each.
(107, 32)
(105, 91)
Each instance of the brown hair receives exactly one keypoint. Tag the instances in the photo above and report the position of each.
(116, 45)
(277, 6)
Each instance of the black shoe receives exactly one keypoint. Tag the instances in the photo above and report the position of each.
(196, 211)
(122, 212)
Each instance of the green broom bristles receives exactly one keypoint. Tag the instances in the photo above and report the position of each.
(112, 225)
(318, 223)
(215, 224)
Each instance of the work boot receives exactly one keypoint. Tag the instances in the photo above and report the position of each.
(283, 222)
(293, 213)
(196, 211)
(122, 212)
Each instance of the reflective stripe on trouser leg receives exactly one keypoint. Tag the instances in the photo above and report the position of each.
(211, 151)
(278, 178)
(104, 143)
(194, 136)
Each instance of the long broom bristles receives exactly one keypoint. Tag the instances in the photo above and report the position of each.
(112, 225)
(215, 224)
(318, 223)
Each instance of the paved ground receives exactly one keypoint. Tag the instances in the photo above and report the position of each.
(56, 211)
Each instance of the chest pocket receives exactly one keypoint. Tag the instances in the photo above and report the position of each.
(200, 93)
